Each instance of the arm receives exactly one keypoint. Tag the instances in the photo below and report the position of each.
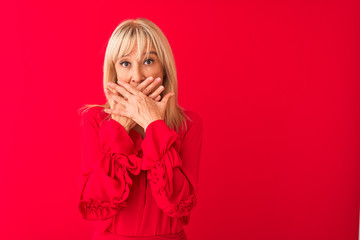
(173, 167)
(108, 158)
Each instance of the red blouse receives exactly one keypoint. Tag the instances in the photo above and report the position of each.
(131, 186)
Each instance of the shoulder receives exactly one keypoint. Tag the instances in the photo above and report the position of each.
(192, 136)
(93, 114)
(194, 120)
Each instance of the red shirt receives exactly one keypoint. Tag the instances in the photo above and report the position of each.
(131, 186)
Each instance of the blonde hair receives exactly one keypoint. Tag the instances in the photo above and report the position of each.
(122, 41)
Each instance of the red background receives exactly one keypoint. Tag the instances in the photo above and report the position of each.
(276, 82)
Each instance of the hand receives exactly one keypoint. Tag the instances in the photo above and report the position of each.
(127, 123)
(146, 87)
(139, 107)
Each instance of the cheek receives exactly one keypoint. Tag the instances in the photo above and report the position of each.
(156, 71)
(123, 78)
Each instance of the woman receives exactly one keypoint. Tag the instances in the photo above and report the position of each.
(140, 150)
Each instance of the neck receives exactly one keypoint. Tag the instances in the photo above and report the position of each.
(139, 129)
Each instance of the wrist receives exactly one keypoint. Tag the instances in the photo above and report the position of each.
(148, 123)
(127, 129)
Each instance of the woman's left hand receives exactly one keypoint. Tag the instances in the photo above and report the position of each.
(139, 107)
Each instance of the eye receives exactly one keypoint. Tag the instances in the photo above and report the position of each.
(123, 62)
(149, 60)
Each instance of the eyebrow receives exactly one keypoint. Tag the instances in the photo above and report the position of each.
(152, 52)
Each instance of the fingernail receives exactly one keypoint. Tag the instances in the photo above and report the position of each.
(158, 79)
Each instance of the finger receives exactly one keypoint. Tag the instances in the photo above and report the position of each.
(119, 89)
(118, 112)
(154, 85)
(144, 84)
(119, 99)
(109, 98)
(114, 97)
(116, 101)
(157, 92)
(110, 111)
(129, 88)
(167, 97)
(157, 98)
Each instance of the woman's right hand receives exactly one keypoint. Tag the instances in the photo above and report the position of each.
(145, 87)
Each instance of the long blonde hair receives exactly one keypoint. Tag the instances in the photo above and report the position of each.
(122, 40)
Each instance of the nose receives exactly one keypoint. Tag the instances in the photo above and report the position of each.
(137, 75)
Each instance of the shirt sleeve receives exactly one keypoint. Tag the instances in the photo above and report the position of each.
(173, 167)
(109, 158)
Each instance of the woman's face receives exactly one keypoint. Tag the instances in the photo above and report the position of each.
(134, 72)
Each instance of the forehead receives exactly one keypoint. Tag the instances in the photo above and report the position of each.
(133, 52)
